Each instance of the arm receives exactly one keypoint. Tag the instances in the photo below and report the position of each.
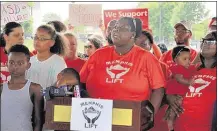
(156, 98)
(182, 80)
(173, 101)
(156, 79)
(38, 108)
(157, 51)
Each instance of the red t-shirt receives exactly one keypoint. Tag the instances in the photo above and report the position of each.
(198, 102)
(75, 64)
(167, 57)
(173, 86)
(128, 77)
(34, 52)
(165, 70)
(5, 75)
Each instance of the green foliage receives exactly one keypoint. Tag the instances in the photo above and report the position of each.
(30, 4)
(28, 26)
(164, 15)
(50, 17)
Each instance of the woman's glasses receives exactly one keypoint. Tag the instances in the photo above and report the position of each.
(122, 28)
(88, 46)
(208, 41)
(40, 39)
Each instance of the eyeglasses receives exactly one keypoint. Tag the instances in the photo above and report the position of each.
(88, 46)
(181, 31)
(122, 28)
(208, 42)
(40, 39)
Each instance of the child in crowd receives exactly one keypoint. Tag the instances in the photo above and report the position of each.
(181, 79)
(20, 99)
(70, 77)
(72, 60)
(12, 34)
(48, 61)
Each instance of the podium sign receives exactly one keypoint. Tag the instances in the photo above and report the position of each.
(91, 114)
(126, 115)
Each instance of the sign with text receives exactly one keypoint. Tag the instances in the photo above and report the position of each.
(135, 13)
(14, 11)
(85, 14)
(91, 114)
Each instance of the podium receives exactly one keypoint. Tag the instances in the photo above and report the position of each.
(127, 115)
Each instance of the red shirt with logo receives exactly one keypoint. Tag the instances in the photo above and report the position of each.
(128, 77)
(173, 86)
(167, 57)
(198, 102)
(76, 64)
(5, 75)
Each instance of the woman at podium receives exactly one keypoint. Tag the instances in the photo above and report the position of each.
(124, 71)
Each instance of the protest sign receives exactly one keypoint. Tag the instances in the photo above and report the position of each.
(85, 14)
(135, 13)
(15, 11)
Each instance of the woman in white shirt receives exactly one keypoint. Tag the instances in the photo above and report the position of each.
(48, 62)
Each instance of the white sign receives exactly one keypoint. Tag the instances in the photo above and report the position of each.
(85, 14)
(14, 11)
(91, 114)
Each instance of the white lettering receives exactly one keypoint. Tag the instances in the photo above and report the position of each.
(112, 80)
(110, 14)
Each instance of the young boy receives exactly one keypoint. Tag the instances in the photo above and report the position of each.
(21, 100)
(70, 77)
(180, 80)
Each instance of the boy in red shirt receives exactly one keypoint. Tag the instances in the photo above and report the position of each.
(72, 60)
(181, 79)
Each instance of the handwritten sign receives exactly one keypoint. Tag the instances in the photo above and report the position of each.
(85, 14)
(14, 11)
(142, 14)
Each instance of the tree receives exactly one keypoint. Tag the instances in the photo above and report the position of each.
(164, 15)
(50, 17)
(28, 26)
(160, 14)
(194, 12)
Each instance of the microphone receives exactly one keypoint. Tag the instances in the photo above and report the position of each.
(63, 91)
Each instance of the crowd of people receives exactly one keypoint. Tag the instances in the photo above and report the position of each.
(180, 83)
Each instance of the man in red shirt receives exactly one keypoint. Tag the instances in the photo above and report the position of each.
(72, 60)
(182, 36)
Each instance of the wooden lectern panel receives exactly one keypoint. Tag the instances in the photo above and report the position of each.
(137, 108)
